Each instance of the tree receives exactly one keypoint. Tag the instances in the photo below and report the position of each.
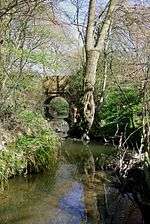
(96, 38)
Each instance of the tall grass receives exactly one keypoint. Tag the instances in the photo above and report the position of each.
(34, 150)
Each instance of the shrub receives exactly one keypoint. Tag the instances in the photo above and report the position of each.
(118, 109)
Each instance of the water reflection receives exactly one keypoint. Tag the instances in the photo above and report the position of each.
(52, 198)
(73, 202)
(44, 199)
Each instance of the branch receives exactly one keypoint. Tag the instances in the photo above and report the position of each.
(90, 25)
(106, 25)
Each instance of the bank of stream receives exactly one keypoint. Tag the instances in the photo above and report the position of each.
(65, 196)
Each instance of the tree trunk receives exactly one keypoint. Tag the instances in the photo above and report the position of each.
(94, 46)
(89, 83)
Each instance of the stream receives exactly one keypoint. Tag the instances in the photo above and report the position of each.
(57, 197)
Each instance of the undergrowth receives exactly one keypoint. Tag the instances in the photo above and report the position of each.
(34, 150)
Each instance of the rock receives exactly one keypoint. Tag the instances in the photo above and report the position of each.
(60, 126)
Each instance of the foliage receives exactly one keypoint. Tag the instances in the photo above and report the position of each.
(26, 95)
(29, 50)
(75, 87)
(34, 150)
(118, 107)
(59, 107)
(122, 105)
(121, 110)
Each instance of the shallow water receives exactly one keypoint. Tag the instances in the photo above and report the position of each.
(53, 197)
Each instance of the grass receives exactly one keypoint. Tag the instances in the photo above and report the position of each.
(36, 149)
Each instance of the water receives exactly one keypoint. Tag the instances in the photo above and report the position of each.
(64, 196)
